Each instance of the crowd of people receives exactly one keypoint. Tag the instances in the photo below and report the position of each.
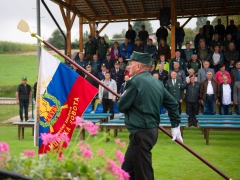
(204, 76)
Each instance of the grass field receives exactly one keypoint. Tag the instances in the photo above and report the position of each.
(13, 68)
(8, 111)
(170, 161)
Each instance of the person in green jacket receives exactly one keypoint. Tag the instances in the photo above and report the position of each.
(141, 102)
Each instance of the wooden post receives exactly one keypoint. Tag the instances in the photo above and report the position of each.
(80, 34)
(173, 22)
(68, 33)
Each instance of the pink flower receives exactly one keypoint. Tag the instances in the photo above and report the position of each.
(120, 157)
(4, 148)
(78, 121)
(117, 140)
(29, 153)
(75, 156)
(61, 156)
(86, 153)
(64, 137)
(123, 144)
(49, 138)
(80, 144)
(91, 127)
(115, 170)
(101, 152)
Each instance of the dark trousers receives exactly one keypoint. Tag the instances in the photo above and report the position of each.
(226, 109)
(209, 105)
(138, 157)
(192, 108)
(108, 104)
(23, 104)
(179, 107)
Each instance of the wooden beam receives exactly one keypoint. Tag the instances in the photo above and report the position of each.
(161, 2)
(224, 4)
(173, 22)
(124, 6)
(187, 21)
(100, 30)
(141, 4)
(73, 2)
(72, 20)
(91, 28)
(89, 7)
(182, 5)
(68, 16)
(64, 16)
(129, 20)
(106, 6)
(72, 8)
(203, 5)
(80, 34)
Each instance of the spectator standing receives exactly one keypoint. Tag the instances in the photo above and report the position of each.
(115, 52)
(203, 53)
(90, 49)
(101, 75)
(130, 35)
(126, 78)
(161, 33)
(231, 57)
(227, 42)
(217, 58)
(96, 64)
(105, 96)
(96, 38)
(216, 42)
(236, 96)
(209, 94)
(118, 75)
(24, 97)
(178, 59)
(179, 36)
(163, 62)
(187, 53)
(108, 62)
(81, 62)
(238, 41)
(151, 49)
(192, 100)
(222, 72)
(164, 49)
(102, 49)
(138, 47)
(225, 97)
(220, 30)
(174, 86)
(162, 74)
(208, 30)
(202, 73)
(122, 65)
(200, 35)
(232, 29)
(235, 73)
(194, 63)
(126, 49)
(143, 36)
(180, 73)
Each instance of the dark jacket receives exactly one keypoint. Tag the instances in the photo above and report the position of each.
(207, 56)
(221, 93)
(118, 77)
(130, 35)
(177, 90)
(109, 64)
(181, 63)
(210, 33)
(231, 55)
(162, 33)
(100, 76)
(142, 101)
(234, 75)
(139, 48)
(197, 39)
(90, 80)
(24, 92)
(143, 35)
(203, 89)
(164, 50)
(193, 92)
(163, 76)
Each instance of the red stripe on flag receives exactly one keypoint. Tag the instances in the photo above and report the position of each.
(79, 98)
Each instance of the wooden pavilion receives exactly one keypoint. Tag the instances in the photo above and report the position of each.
(107, 11)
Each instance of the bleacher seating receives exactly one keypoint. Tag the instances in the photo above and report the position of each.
(99, 108)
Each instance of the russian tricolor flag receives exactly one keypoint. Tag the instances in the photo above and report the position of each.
(61, 96)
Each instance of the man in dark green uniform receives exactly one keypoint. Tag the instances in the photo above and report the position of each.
(216, 42)
(24, 97)
(102, 49)
(90, 49)
(138, 47)
(141, 102)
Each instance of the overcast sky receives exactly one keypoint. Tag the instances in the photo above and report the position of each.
(12, 11)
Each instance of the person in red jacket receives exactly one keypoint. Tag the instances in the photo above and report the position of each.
(222, 72)
(115, 51)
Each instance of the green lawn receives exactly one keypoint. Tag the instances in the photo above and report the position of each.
(170, 161)
(13, 67)
(8, 111)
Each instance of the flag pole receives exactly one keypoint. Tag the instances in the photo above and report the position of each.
(117, 95)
